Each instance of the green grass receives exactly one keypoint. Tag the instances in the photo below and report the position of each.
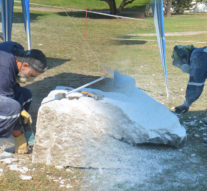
(43, 178)
(80, 4)
(86, 4)
(188, 22)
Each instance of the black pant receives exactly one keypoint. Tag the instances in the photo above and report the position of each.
(10, 110)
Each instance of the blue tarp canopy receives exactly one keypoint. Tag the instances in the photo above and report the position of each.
(7, 7)
(157, 9)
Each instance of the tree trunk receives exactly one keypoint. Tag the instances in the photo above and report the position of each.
(112, 6)
(147, 10)
(168, 7)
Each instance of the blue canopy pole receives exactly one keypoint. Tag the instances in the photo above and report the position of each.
(26, 15)
(157, 8)
(7, 18)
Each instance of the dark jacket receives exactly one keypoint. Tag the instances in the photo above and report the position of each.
(198, 74)
(8, 74)
(11, 47)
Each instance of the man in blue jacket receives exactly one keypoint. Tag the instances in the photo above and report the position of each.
(15, 100)
(193, 61)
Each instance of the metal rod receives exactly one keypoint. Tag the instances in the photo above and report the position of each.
(86, 85)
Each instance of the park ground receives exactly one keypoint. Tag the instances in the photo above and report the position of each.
(77, 53)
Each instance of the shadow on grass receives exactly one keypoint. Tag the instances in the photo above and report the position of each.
(128, 42)
(137, 12)
(41, 88)
(82, 14)
(18, 17)
(54, 62)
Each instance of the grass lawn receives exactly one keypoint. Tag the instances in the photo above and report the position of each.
(89, 4)
(74, 60)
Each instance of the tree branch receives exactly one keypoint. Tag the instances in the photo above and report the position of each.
(124, 3)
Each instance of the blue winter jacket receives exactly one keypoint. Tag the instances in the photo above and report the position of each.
(8, 68)
(198, 74)
(8, 74)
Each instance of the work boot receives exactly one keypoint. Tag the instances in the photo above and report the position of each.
(21, 145)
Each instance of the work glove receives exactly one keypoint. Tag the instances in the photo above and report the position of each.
(27, 119)
(21, 145)
(181, 109)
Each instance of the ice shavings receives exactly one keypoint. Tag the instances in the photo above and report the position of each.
(5, 155)
(59, 167)
(25, 177)
(17, 168)
(8, 160)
